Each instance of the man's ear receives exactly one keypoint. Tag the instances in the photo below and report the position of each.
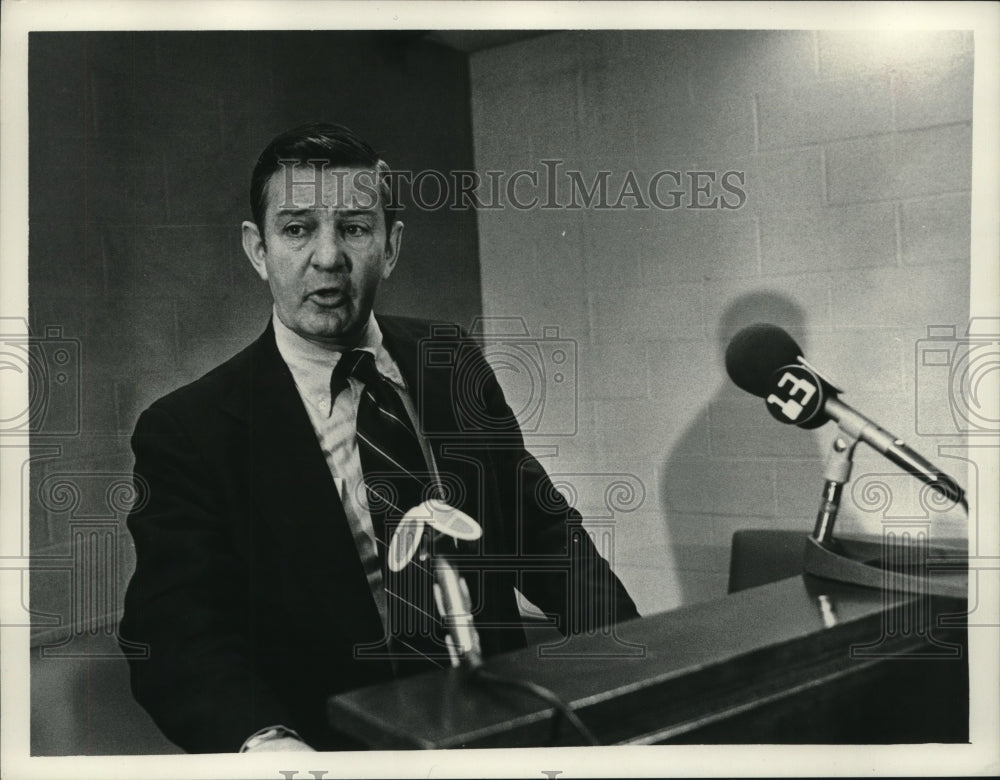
(253, 246)
(392, 244)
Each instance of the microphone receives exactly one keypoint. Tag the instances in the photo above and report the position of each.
(451, 593)
(766, 361)
(452, 596)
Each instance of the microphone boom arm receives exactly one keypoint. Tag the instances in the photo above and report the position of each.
(860, 428)
(452, 596)
(826, 557)
(765, 361)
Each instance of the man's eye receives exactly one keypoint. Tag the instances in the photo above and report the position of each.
(294, 230)
(356, 231)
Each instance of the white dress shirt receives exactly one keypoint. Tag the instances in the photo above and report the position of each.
(311, 366)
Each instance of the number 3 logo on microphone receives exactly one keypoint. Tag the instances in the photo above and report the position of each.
(796, 396)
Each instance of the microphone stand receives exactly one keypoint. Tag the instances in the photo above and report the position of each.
(837, 474)
(863, 565)
(452, 597)
(451, 594)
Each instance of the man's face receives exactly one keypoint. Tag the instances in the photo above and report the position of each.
(324, 250)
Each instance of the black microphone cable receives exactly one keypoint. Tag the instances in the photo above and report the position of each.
(452, 597)
(479, 675)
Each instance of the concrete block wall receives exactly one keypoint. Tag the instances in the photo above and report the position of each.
(854, 235)
(141, 148)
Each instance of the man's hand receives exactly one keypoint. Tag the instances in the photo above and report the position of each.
(276, 739)
(280, 744)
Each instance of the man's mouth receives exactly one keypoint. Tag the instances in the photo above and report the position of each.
(328, 296)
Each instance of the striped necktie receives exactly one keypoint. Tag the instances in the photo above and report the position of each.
(396, 479)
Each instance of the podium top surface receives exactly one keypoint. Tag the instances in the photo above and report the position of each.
(652, 676)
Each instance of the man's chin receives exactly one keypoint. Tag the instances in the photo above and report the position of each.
(333, 331)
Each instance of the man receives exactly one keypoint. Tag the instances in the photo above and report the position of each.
(261, 584)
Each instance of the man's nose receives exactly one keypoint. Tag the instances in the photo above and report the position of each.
(330, 253)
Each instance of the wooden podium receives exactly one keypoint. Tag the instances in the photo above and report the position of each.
(801, 660)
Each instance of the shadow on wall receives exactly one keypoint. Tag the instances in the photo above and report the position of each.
(707, 498)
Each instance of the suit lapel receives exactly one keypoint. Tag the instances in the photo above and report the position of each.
(430, 383)
(295, 494)
(429, 365)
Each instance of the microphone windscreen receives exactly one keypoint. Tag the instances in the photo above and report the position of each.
(755, 353)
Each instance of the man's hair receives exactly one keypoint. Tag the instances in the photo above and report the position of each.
(319, 143)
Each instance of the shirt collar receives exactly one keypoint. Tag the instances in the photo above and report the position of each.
(311, 364)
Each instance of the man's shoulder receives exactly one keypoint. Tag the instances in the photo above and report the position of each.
(215, 386)
(416, 329)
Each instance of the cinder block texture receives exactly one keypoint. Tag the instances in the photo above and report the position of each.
(853, 156)
(140, 154)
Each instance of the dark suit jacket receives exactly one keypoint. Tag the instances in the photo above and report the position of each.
(248, 588)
